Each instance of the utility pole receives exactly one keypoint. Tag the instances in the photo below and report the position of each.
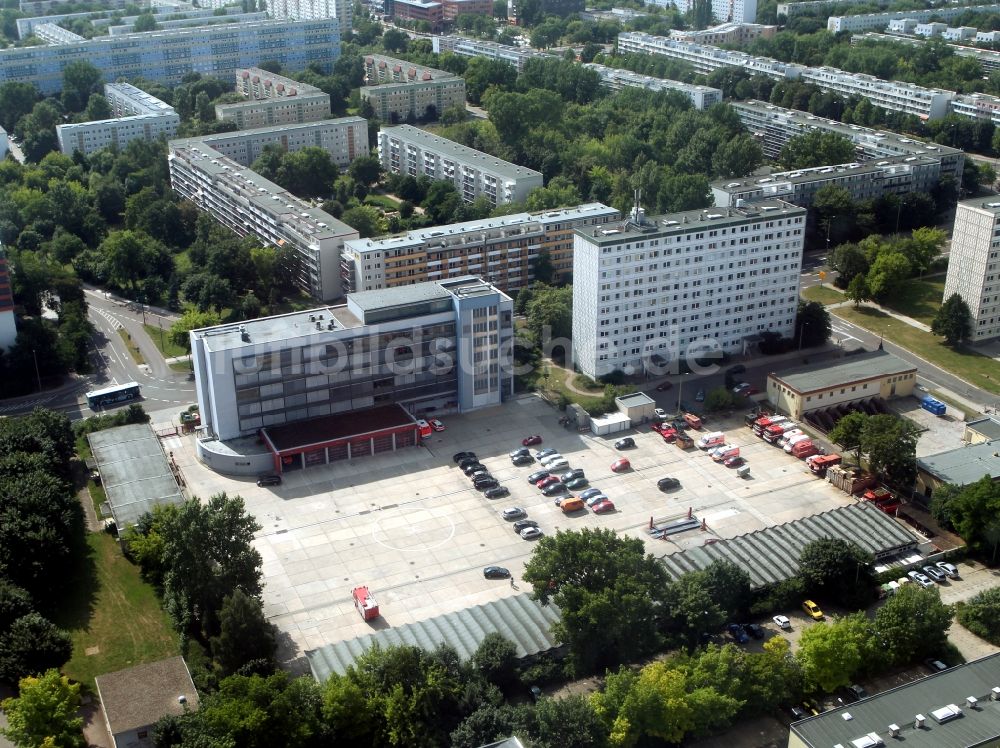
(38, 375)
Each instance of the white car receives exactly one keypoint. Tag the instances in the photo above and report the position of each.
(530, 533)
(920, 579)
(950, 570)
(716, 451)
(782, 622)
(596, 499)
(660, 414)
(788, 435)
(513, 512)
(554, 457)
(559, 464)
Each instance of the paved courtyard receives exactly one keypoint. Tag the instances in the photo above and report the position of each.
(410, 526)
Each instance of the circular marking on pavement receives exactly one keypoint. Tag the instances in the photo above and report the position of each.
(414, 530)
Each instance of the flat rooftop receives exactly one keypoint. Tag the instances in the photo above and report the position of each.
(988, 427)
(459, 152)
(138, 97)
(609, 73)
(964, 465)
(635, 399)
(316, 431)
(140, 696)
(386, 298)
(889, 166)
(861, 368)
(134, 471)
(958, 727)
(687, 221)
(990, 206)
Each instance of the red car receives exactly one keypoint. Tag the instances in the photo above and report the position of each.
(750, 391)
(603, 507)
(544, 482)
(669, 434)
(531, 441)
(620, 465)
(436, 424)
(664, 386)
(734, 461)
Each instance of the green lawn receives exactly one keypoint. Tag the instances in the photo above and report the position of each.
(161, 339)
(973, 367)
(823, 295)
(382, 201)
(113, 614)
(133, 349)
(919, 299)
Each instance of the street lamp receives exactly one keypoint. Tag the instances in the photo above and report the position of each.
(802, 330)
(680, 393)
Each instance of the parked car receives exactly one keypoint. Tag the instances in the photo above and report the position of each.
(668, 484)
(496, 572)
(548, 480)
(596, 499)
(750, 391)
(935, 573)
(459, 456)
(271, 479)
(559, 464)
(679, 424)
(577, 483)
(571, 475)
(519, 452)
(590, 492)
(497, 492)
(857, 692)
(812, 610)
(530, 533)
(480, 473)
(473, 467)
(738, 633)
(658, 426)
(935, 666)
(523, 460)
(755, 630)
(554, 489)
(700, 397)
(797, 713)
(738, 389)
(782, 622)
(522, 523)
(660, 413)
(621, 465)
(466, 461)
(920, 579)
(543, 453)
(950, 570)
(627, 443)
(664, 386)
(538, 475)
(486, 484)
(734, 462)
(530, 441)
(603, 507)
(436, 424)
(513, 512)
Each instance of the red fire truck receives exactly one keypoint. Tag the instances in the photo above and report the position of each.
(366, 603)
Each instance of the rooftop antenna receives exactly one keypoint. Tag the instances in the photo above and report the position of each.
(638, 216)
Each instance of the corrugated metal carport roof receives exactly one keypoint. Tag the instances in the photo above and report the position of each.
(771, 555)
(525, 622)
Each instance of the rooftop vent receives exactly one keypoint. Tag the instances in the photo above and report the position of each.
(918, 721)
(946, 714)
(971, 701)
(870, 740)
(894, 730)
(995, 693)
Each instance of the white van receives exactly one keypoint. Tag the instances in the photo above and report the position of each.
(714, 439)
(721, 455)
(795, 440)
(783, 439)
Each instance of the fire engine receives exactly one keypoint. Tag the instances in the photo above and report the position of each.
(365, 602)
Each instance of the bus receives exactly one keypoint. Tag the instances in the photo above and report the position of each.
(119, 393)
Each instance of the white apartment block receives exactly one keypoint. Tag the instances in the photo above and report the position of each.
(41, 7)
(977, 106)
(900, 175)
(987, 37)
(177, 23)
(702, 97)
(773, 126)
(4, 144)
(880, 21)
(930, 29)
(52, 34)
(989, 59)
(344, 139)
(901, 26)
(723, 11)
(399, 90)
(925, 103)
(704, 58)
(273, 100)
(726, 33)
(503, 249)
(312, 10)
(137, 116)
(686, 282)
(167, 56)
(104, 19)
(516, 56)
(791, 10)
(248, 204)
(974, 267)
(409, 150)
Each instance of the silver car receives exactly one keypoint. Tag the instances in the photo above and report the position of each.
(530, 533)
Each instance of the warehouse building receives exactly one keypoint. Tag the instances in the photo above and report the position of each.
(861, 377)
(959, 467)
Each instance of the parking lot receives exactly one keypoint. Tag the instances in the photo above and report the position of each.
(410, 526)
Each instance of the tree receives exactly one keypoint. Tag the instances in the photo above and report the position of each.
(245, 635)
(16, 100)
(913, 624)
(981, 614)
(395, 40)
(192, 319)
(97, 108)
(144, 22)
(974, 512)
(837, 570)
(550, 313)
(831, 654)
(847, 432)
(14, 603)
(127, 259)
(849, 260)
(812, 324)
(44, 713)
(495, 658)
(80, 80)
(560, 193)
(609, 590)
(737, 157)
(307, 172)
(953, 320)
(857, 290)
(886, 274)
(365, 219)
(816, 148)
(32, 645)
(568, 722)
(890, 444)
(365, 169)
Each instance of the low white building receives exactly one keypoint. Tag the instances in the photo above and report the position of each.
(974, 266)
(881, 21)
(702, 97)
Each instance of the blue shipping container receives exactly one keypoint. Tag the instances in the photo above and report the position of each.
(932, 405)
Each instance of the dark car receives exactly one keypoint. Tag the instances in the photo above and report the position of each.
(522, 523)
(571, 475)
(459, 456)
(466, 461)
(543, 453)
(480, 473)
(523, 460)
(738, 633)
(668, 484)
(519, 452)
(679, 424)
(554, 488)
(538, 475)
(855, 693)
(272, 479)
(797, 713)
(473, 467)
(496, 572)
(487, 483)
(757, 632)
(627, 443)
(496, 492)
(664, 386)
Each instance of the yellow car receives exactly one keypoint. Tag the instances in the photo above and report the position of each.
(812, 610)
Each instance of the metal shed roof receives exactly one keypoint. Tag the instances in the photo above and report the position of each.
(964, 465)
(866, 366)
(134, 471)
(524, 621)
(771, 555)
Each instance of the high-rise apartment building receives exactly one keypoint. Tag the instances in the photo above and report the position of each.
(723, 11)
(702, 97)
(409, 150)
(662, 288)
(137, 116)
(273, 100)
(248, 204)
(974, 265)
(50, 33)
(399, 90)
(445, 346)
(503, 250)
(313, 10)
(167, 56)
(8, 325)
